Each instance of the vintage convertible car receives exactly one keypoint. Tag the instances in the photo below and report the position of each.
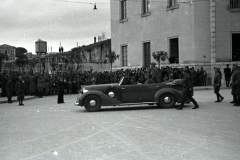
(93, 97)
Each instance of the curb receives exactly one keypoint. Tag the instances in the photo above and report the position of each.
(207, 88)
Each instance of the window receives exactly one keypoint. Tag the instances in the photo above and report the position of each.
(173, 57)
(235, 47)
(145, 5)
(146, 54)
(124, 56)
(234, 4)
(172, 4)
(123, 11)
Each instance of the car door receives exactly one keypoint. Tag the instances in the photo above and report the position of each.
(148, 91)
(130, 93)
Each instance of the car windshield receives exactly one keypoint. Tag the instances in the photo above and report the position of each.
(121, 80)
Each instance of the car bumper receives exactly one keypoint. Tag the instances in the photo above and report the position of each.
(77, 102)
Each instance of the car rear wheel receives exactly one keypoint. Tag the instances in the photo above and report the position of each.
(167, 100)
(112, 93)
(92, 103)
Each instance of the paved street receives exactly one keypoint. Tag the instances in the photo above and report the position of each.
(43, 129)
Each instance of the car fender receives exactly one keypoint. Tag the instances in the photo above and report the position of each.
(178, 94)
(117, 90)
(105, 99)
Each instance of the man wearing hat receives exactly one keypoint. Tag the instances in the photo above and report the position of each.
(235, 85)
(187, 89)
(154, 72)
(227, 73)
(20, 89)
(217, 84)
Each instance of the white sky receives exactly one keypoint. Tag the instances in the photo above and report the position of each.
(23, 22)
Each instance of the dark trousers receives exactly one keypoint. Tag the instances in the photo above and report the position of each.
(189, 96)
(216, 91)
(60, 97)
(227, 81)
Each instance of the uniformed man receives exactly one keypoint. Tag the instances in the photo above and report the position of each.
(9, 89)
(187, 89)
(217, 84)
(154, 73)
(227, 74)
(20, 89)
(235, 84)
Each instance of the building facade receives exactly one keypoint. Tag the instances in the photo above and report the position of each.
(9, 51)
(196, 32)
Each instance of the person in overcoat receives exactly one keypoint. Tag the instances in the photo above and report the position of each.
(40, 86)
(217, 84)
(32, 84)
(9, 90)
(154, 73)
(187, 89)
(20, 89)
(235, 85)
(60, 98)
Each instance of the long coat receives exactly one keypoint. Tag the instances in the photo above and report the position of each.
(217, 82)
(9, 88)
(20, 89)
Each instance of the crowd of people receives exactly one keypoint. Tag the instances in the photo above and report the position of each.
(40, 85)
(37, 84)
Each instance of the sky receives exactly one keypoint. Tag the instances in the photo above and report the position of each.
(69, 22)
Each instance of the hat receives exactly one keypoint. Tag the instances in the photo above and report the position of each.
(227, 64)
(153, 63)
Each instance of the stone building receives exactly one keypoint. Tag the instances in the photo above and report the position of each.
(198, 33)
(9, 51)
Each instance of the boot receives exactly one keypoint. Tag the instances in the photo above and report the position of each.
(196, 106)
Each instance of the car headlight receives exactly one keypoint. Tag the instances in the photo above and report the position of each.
(84, 90)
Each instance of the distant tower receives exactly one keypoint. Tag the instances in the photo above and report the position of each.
(40, 47)
(60, 48)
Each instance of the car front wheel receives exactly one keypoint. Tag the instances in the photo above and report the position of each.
(92, 103)
(167, 100)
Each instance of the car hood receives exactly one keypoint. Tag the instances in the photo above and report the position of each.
(94, 87)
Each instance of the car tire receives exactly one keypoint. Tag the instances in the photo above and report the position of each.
(92, 103)
(167, 100)
(113, 93)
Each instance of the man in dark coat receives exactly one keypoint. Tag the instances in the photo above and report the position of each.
(217, 85)
(235, 85)
(227, 74)
(60, 92)
(9, 89)
(187, 90)
(154, 73)
(40, 86)
(20, 89)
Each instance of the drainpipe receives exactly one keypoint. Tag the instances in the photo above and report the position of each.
(213, 35)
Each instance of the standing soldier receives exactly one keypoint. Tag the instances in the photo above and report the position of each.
(20, 89)
(51, 86)
(227, 73)
(9, 90)
(217, 84)
(40, 86)
(154, 72)
(187, 89)
(60, 98)
(32, 84)
(235, 84)
(46, 87)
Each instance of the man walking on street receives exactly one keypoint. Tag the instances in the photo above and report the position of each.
(187, 89)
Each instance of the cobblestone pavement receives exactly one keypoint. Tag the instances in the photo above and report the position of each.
(43, 129)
